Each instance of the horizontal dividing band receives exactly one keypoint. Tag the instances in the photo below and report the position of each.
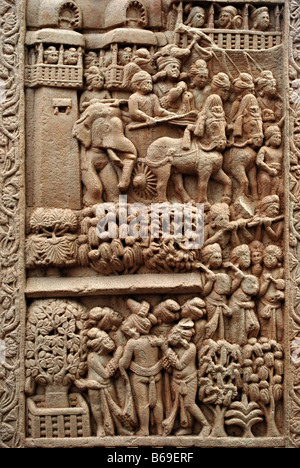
(99, 286)
(156, 443)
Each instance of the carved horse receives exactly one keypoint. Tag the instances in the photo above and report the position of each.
(240, 159)
(198, 153)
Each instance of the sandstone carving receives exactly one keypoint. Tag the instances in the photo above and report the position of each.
(149, 239)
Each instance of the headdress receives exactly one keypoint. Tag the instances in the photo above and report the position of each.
(221, 80)
(244, 81)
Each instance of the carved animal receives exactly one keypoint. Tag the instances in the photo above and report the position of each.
(202, 157)
(240, 159)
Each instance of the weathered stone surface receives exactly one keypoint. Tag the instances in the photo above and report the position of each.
(149, 169)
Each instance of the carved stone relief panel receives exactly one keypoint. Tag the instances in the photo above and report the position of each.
(149, 153)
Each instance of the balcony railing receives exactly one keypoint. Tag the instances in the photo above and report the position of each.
(231, 39)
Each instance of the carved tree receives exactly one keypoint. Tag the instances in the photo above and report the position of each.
(55, 348)
(263, 378)
(53, 241)
(219, 379)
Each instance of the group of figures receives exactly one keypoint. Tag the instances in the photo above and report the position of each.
(180, 366)
(186, 122)
(228, 129)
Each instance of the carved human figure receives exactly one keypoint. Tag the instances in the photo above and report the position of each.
(256, 250)
(217, 307)
(244, 106)
(51, 55)
(108, 320)
(210, 126)
(142, 356)
(166, 312)
(272, 285)
(143, 104)
(140, 320)
(260, 19)
(181, 356)
(196, 17)
(269, 119)
(142, 60)
(243, 323)
(102, 365)
(228, 18)
(267, 94)
(240, 257)
(199, 83)
(220, 229)
(91, 59)
(192, 26)
(124, 56)
(269, 163)
(95, 80)
(220, 84)
(101, 134)
(247, 137)
(168, 87)
(195, 310)
(212, 262)
(269, 222)
(71, 56)
(238, 265)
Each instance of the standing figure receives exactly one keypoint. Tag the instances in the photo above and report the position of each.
(167, 313)
(181, 356)
(102, 366)
(243, 323)
(217, 307)
(142, 356)
(272, 285)
(269, 163)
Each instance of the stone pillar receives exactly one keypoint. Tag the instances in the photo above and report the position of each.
(50, 150)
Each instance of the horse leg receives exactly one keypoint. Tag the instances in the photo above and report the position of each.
(238, 171)
(163, 175)
(252, 175)
(203, 179)
(179, 187)
(223, 179)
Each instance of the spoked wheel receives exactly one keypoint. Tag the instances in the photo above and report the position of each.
(143, 184)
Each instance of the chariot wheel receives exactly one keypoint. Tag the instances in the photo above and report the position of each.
(143, 183)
